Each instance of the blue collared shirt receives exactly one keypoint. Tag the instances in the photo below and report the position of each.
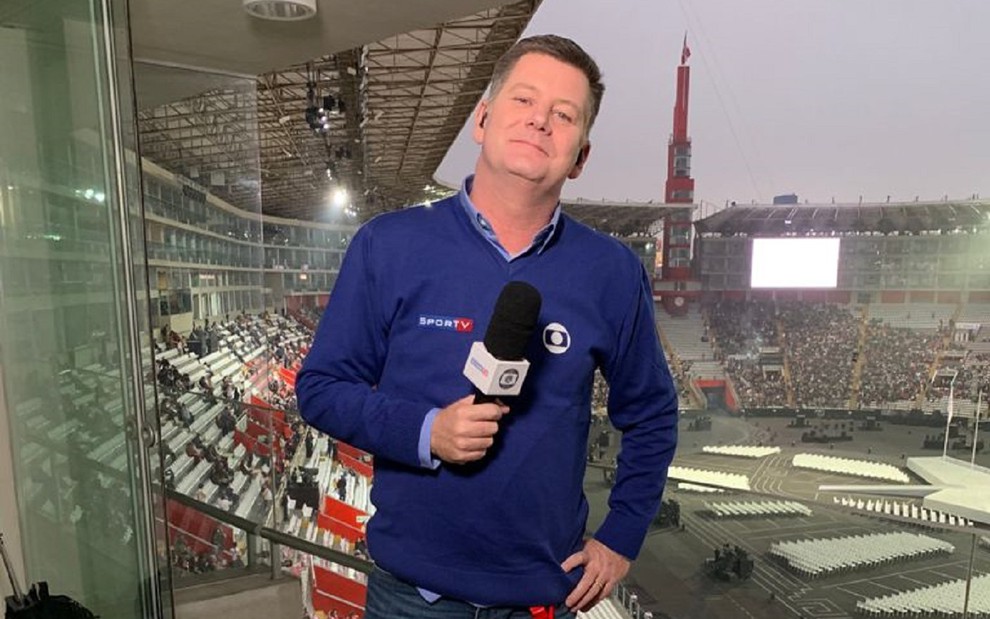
(540, 240)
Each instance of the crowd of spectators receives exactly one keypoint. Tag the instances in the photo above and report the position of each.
(741, 329)
(755, 386)
(897, 364)
(820, 345)
(973, 376)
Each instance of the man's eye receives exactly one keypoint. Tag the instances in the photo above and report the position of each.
(564, 116)
(522, 99)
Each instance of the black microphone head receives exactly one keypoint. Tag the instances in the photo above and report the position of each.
(513, 321)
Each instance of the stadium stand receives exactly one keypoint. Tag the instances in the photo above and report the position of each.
(739, 330)
(898, 362)
(689, 352)
(687, 335)
(897, 346)
(929, 317)
(820, 341)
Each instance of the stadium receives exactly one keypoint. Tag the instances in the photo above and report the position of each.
(166, 262)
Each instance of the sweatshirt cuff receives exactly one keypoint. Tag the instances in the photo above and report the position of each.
(623, 534)
(426, 459)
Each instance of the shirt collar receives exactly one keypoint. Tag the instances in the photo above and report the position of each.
(540, 240)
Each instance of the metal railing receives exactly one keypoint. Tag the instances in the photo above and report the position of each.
(274, 536)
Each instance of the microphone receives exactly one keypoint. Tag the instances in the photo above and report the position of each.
(496, 366)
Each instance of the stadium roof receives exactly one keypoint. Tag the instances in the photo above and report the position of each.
(624, 219)
(802, 220)
(408, 74)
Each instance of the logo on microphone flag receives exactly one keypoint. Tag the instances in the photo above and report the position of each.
(508, 379)
(478, 366)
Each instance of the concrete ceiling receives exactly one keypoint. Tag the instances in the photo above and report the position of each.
(218, 35)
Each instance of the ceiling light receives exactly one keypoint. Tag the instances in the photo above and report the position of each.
(280, 10)
(339, 197)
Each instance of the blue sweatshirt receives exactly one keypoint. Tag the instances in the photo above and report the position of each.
(416, 289)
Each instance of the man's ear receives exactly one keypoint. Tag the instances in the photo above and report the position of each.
(582, 158)
(480, 117)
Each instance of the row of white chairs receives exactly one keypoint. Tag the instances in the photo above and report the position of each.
(904, 510)
(820, 557)
(944, 600)
(731, 481)
(685, 486)
(751, 509)
(741, 451)
(848, 466)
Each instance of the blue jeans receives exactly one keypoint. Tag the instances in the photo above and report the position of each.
(391, 598)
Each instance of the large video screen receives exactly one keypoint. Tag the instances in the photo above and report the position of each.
(795, 263)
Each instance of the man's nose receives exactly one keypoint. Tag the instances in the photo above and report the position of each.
(539, 119)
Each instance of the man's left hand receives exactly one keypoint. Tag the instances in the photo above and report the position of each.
(603, 568)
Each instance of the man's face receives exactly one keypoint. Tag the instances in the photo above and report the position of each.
(534, 126)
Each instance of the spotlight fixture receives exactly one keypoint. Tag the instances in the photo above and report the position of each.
(318, 118)
(280, 10)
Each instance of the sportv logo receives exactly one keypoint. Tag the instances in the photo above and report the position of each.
(447, 323)
(478, 366)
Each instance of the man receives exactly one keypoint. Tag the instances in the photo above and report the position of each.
(482, 504)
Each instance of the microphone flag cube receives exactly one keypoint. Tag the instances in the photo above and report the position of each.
(492, 376)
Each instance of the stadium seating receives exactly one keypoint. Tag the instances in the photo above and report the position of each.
(686, 334)
(821, 340)
(914, 316)
(898, 361)
(739, 329)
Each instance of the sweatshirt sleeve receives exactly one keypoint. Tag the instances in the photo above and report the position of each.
(642, 405)
(336, 387)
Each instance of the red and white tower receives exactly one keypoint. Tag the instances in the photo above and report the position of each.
(680, 185)
(679, 189)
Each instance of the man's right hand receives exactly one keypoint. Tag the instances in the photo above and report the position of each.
(463, 431)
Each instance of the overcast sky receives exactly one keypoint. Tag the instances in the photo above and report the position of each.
(823, 98)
